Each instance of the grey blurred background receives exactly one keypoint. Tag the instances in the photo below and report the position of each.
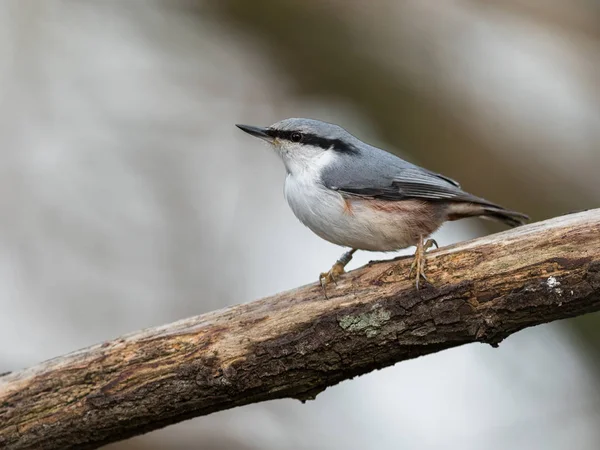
(129, 199)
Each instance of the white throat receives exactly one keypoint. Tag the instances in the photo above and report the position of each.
(304, 160)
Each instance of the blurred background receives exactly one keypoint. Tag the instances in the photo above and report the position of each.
(129, 199)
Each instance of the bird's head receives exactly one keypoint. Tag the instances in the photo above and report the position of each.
(305, 143)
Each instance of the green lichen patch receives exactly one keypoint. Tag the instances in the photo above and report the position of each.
(370, 322)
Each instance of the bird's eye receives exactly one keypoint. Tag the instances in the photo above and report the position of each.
(296, 137)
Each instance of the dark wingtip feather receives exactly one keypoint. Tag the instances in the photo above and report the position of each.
(510, 218)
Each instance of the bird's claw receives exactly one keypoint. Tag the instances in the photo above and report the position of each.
(430, 243)
(327, 277)
(336, 270)
(418, 263)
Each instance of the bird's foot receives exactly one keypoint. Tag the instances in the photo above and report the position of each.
(418, 264)
(336, 270)
(328, 277)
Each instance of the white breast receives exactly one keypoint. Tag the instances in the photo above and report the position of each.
(317, 207)
(353, 225)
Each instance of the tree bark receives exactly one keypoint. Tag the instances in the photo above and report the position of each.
(297, 343)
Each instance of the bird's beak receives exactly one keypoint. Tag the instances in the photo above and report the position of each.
(258, 132)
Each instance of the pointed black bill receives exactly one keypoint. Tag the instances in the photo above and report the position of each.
(258, 132)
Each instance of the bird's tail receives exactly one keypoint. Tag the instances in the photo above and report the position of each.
(493, 212)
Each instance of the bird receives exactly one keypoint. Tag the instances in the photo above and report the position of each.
(361, 197)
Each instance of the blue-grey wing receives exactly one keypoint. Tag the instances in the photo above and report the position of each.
(378, 174)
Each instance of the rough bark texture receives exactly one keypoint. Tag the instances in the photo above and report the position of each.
(297, 343)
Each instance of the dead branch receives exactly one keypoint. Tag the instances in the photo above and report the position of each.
(298, 343)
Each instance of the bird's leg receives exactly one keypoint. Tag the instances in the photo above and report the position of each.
(418, 264)
(337, 269)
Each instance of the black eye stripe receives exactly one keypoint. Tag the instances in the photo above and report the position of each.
(312, 139)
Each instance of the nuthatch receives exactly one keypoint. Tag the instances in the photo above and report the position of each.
(358, 196)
